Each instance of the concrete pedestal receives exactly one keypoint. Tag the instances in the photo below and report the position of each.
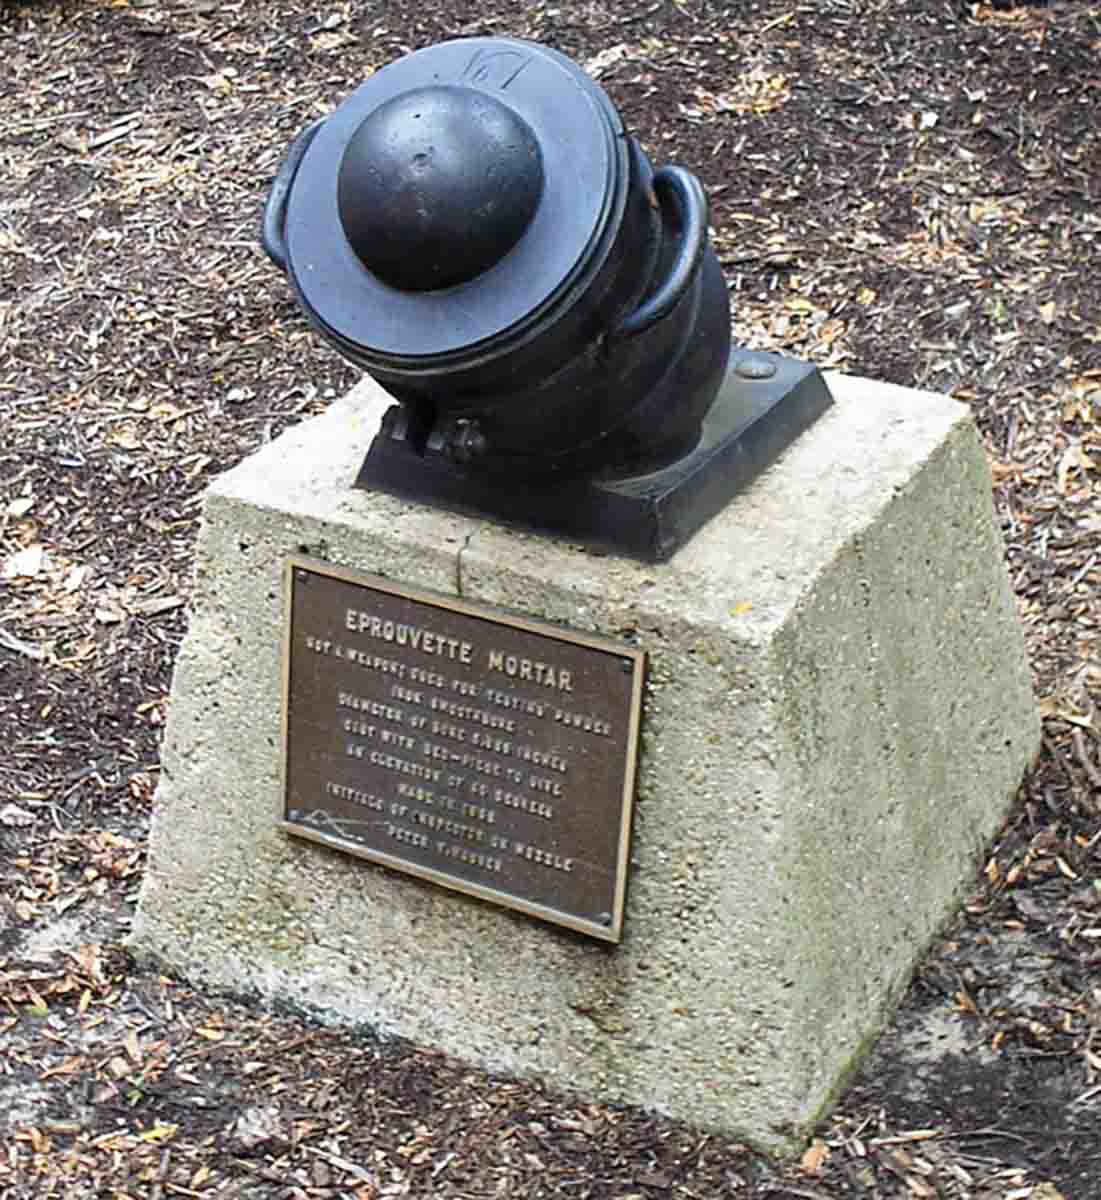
(839, 712)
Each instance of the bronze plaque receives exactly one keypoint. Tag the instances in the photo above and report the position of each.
(484, 752)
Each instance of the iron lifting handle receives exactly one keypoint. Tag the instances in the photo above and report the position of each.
(683, 189)
(272, 235)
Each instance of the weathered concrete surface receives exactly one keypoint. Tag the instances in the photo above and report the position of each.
(839, 713)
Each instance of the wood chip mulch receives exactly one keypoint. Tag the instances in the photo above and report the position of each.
(911, 192)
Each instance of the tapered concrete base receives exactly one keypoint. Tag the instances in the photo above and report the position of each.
(839, 711)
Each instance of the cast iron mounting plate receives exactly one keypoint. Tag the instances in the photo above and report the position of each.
(765, 402)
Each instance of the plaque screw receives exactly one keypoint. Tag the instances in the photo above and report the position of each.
(755, 367)
(303, 576)
(605, 918)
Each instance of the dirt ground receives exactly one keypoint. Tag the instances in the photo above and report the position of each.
(909, 191)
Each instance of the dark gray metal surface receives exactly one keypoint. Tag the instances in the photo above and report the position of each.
(765, 402)
(584, 165)
(437, 185)
(475, 228)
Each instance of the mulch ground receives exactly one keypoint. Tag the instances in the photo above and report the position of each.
(909, 191)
